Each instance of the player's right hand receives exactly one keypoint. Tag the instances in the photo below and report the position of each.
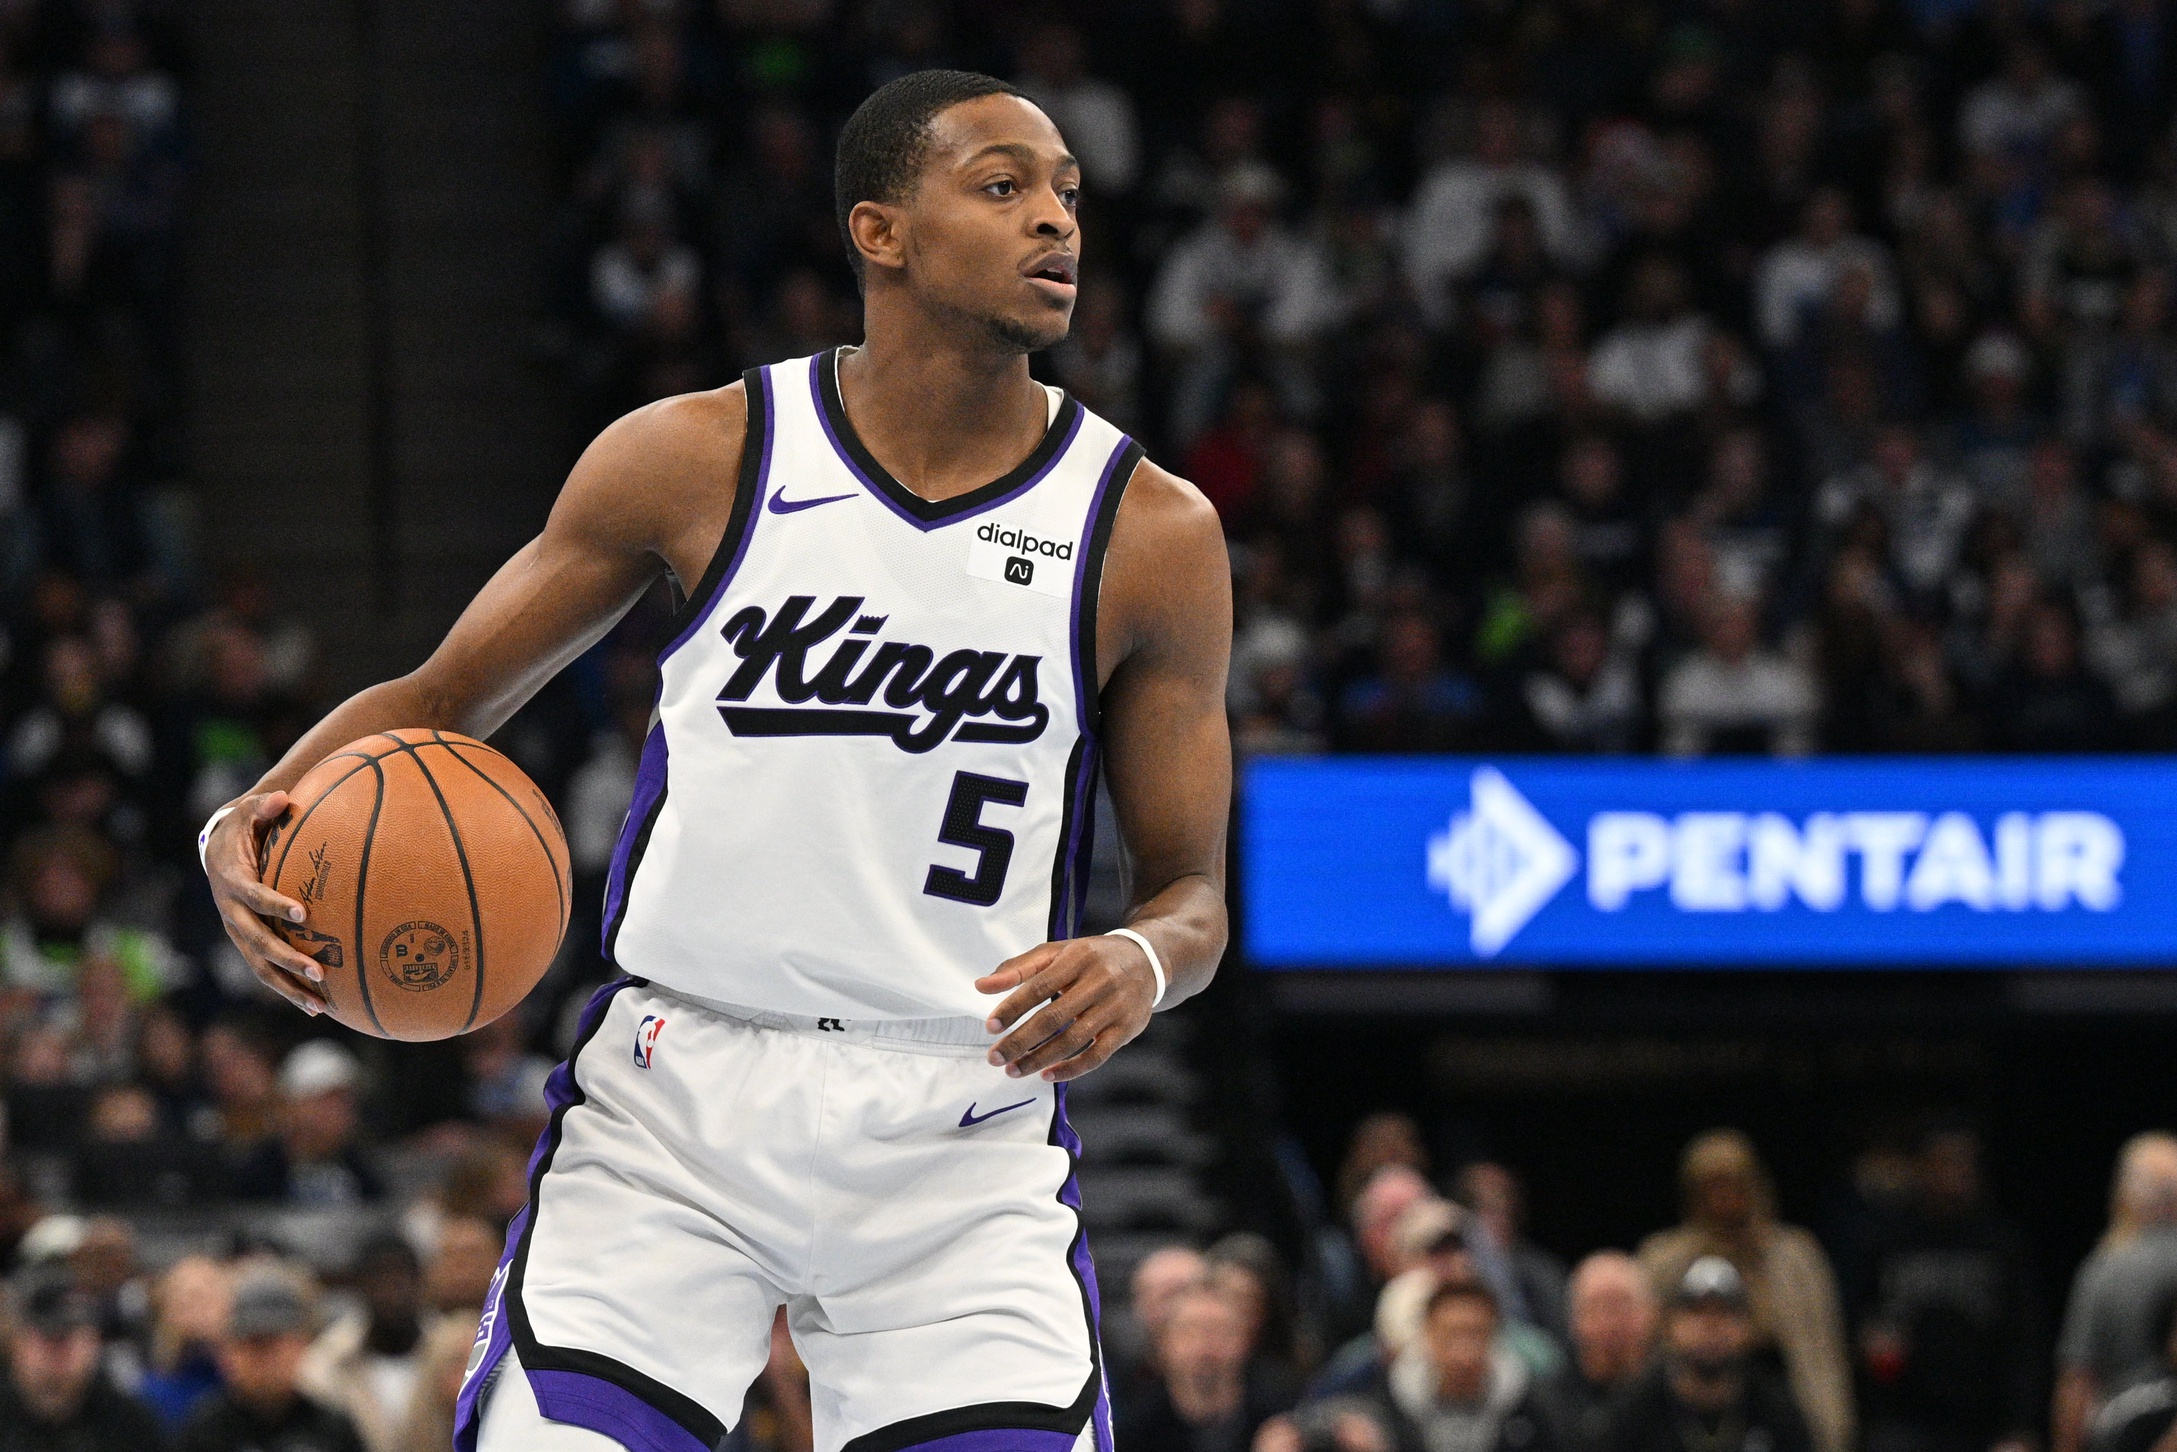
(232, 857)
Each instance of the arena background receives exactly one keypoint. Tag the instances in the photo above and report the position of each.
(1574, 377)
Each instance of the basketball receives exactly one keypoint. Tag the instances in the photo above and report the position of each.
(435, 876)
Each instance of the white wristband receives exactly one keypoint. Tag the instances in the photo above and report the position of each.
(204, 837)
(1156, 964)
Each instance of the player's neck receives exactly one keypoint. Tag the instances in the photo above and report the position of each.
(944, 418)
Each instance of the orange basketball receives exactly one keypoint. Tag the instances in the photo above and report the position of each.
(435, 877)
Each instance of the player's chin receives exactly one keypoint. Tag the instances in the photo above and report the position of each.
(1033, 330)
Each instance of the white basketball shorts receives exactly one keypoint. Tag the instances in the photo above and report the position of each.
(913, 1208)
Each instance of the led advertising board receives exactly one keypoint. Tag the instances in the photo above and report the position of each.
(1442, 862)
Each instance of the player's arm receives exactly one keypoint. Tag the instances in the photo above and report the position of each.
(1165, 616)
(662, 471)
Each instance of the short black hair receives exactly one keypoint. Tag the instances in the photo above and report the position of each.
(884, 143)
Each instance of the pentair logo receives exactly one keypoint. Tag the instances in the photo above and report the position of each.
(1499, 861)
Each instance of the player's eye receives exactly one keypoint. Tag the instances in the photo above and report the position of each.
(1071, 196)
(1003, 187)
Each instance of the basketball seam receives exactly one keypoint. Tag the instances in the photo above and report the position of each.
(468, 879)
(289, 845)
(452, 749)
(362, 884)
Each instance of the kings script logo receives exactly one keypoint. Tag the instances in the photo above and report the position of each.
(966, 695)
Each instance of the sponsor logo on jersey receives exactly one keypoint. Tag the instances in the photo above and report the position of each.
(963, 695)
(1021, 542)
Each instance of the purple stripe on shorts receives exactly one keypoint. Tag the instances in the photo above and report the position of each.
(649, 784)
(1084, 1269)
(610, 1411)
(495, 1334)
(996, 1439)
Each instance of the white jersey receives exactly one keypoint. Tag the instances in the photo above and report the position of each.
(872, 768)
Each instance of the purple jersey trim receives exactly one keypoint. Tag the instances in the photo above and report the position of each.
(839, 448)
(649, 786)
(754, 507)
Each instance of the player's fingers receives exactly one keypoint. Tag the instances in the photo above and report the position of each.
(1015, 971)
(260, 945)
(1075, 1030)
(1053, 979)
(262, 900)
(1099, 1043)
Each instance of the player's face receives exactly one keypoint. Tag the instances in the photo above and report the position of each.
(992, 233)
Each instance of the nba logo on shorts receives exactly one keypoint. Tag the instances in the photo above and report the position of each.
(646, 1039)
(1019, 570)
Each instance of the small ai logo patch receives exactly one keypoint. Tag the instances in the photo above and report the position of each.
(1020, 570)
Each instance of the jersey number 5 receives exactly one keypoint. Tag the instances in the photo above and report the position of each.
(963, 827)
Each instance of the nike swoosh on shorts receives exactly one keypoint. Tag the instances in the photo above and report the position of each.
(970, 1118)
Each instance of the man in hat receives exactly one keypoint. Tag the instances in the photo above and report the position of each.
(55, 1398)
(1708, 1394)
(261, 1405)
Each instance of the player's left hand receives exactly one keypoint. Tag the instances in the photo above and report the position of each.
(1095, 993)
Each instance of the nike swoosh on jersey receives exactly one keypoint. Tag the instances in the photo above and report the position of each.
(780, 504)
(969, 1117)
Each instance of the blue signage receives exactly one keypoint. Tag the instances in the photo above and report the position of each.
(1360, 862)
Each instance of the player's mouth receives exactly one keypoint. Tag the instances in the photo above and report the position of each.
(1054, 273)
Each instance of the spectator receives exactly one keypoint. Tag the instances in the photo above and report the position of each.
(1413, 702)
(1156, 1284)
(442, 1359)
(315, 1159)
(1455, 1389)
(1709, 1391)
(1096, 117)
(261, 1401)
(1732, 697)
(1207, 1397)
(370, 1365)
(2108, 1329)
(1655, 365)
(189, 1308)
(57, 1398)
(1949, 1331)
(1925, 510)
(1798, 276)
(61, 876)
(2139, 1418)
(1497, 1202)
(2048, 701)
(1613, 1318)
(1242, 281)
(1789, 1293)
(457, 1281)
(1448, 230)
(1585, 696)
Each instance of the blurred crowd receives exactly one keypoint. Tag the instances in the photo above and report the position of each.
(1590, 375)
(1425, 1320)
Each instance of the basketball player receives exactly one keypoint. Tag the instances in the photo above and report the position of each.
(925, 598)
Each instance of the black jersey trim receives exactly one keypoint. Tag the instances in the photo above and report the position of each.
(1090, 582)
(747, 499)
(930, 513)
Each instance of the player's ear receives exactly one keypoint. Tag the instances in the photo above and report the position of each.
(878, 231)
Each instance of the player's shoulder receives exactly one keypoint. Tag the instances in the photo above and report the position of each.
(700, 428)
(1160, 507)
